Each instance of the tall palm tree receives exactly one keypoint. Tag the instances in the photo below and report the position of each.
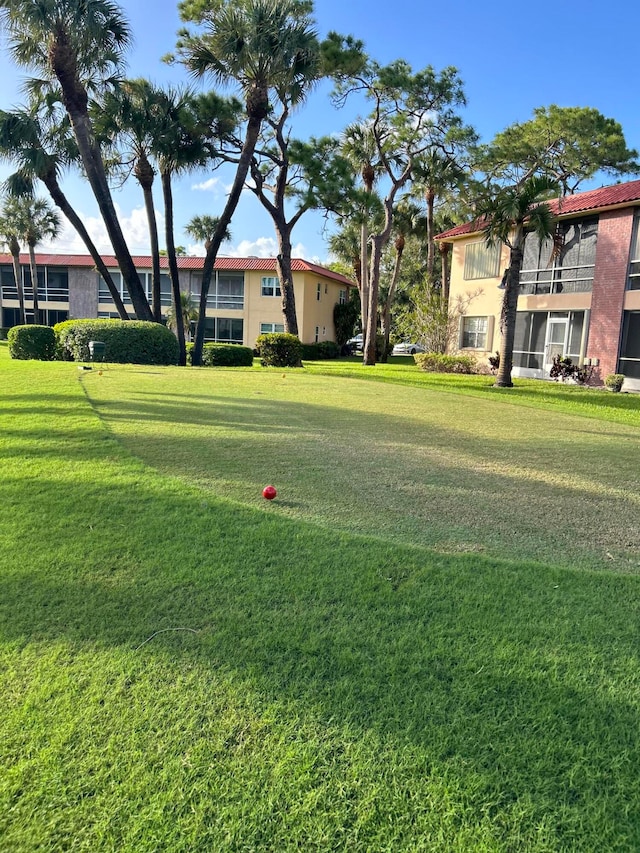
(9, 230)
(436, 173)
(35, 221)
(42, 154)
(510, 213)
(258, 46)
(186, 315)
(74, 43)
(359, 146)
(129, 115)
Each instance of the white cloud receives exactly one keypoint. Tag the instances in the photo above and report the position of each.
(263, 247)
(212, 185)
(134, 226)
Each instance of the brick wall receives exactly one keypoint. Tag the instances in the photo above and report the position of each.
(609, 283)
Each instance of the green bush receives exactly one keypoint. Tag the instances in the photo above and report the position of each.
(226, 355)
(320, 351)
(279, 349)
(435, 362)
(32, 342)
(126, 341)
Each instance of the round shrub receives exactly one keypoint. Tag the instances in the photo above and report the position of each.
(226, 355)
(279, 349)
(32, 342)
(126, 341)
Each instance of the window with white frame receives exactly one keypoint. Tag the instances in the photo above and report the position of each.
(319, 292)
(226, 289)
(271, 328)
(634, 256)
(481, 260)
(271, 286)
(53, 283)
(474, 332)
(342, 297)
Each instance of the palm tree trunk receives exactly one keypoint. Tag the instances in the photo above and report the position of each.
(509, 312)
(144, 173)
(364, 274)
(75, 100)
(244, 162)
(430, 196)
(33, 269)
(173, 264)
(445, 248)
(61, 201)
(14, 248)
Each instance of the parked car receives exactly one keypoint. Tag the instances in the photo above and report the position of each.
(407, 348)
(356, 343)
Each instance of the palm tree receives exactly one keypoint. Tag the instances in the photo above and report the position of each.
(436, 173)
(510, 213)
(257, 45)
(129, 115)
(359, 146)
(42, 223)
(187, 314)
(42, 155)
(77, 43)
(9, 230)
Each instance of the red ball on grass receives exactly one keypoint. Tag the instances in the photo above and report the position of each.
(269, 493)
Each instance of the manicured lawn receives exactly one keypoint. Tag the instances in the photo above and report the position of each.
(429, 641)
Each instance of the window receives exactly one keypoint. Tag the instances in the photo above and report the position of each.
(317, 333)
(569, 270)
(319, 292)
(481, 261)
(226, 290)
(228, 330)
(630, 350)
(53, 283)
(271, 286)
(634, 256)
(342, 297)
(474, 332)
(270, 328)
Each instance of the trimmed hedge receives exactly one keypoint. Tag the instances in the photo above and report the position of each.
(435, 362)
(226, 355)
(320, 351)
(126, 341)
(32, 342)
(279, 349)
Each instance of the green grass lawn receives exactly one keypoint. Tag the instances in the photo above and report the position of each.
(429, 641)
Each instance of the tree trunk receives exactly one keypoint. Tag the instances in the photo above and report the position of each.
(14, 248)
(250, 140)
(445, 248)
(285, 274)
(33, 270)
(509, 311)
(144, 174)
(60, 200)
(430, 196)
(372, 308)
(385, 317)
(173, 264)
(75, 100)
(364, 275)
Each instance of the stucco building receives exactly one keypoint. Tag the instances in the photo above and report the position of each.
(582, 302)
(244, 297)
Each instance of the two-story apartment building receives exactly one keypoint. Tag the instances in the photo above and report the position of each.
(244, 297)
(582, 301)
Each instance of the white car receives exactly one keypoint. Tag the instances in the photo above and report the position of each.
(407, 348)
(356, 343)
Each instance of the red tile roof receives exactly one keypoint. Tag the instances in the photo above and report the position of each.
(143, 262)
(615, 196)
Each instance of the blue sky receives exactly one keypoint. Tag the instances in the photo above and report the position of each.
(511, 57)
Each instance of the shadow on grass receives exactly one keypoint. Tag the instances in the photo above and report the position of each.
(517, 680)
